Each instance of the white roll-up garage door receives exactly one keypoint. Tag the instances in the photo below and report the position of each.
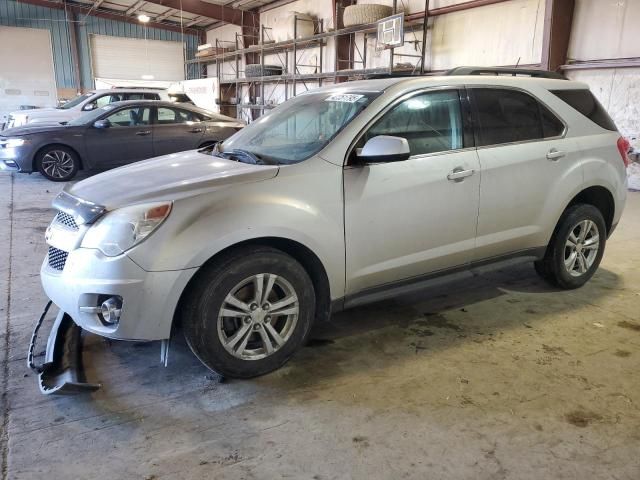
(26, 71)
(134, 58)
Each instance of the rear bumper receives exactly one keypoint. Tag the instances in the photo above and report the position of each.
(149, 299)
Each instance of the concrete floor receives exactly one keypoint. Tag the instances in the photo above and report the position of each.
(495, 377)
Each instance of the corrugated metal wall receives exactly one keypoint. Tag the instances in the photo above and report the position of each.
(17, 14)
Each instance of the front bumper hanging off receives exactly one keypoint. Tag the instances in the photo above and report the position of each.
(62, 372)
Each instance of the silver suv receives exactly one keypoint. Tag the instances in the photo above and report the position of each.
(340, 196)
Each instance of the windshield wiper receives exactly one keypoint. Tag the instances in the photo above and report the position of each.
(243, 156)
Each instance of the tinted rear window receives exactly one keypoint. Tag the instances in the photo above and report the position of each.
(509, 116)
(587, 104)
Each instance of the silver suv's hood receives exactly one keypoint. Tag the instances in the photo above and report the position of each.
(167, 178)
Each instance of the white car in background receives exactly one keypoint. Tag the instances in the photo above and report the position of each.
(79, 105)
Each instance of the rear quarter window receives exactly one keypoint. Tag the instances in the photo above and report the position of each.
(587, 104)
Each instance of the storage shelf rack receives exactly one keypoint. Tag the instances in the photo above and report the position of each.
(235, 87)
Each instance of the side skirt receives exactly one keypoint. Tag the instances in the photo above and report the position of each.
(413, 284)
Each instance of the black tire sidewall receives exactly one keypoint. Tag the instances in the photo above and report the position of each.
(213, 285)
(572, 217)
(74, 157)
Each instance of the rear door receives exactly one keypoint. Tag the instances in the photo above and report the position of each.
(526, 159)
(127, 140)
(176, 130)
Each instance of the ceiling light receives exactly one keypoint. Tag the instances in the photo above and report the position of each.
(144, 18)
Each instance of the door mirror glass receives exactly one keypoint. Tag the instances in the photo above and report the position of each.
(102, 123)
(89, 106)
(385, 148)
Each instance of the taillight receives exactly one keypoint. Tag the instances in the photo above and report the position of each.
(623, 148)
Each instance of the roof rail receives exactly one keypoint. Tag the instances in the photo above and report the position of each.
(505, 71)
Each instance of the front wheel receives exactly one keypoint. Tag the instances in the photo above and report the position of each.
(576, 247)
(247, 314)
(58, 163)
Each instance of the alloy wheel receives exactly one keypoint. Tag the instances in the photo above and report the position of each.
(258, 316)
(57, 164)
(581, 248)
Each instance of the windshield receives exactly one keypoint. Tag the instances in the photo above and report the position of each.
(91, 116)
(299, 128)
(75, 101)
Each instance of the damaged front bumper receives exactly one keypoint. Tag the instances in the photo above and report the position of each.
(62, 372)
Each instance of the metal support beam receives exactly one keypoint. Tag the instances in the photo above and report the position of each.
(558, 18)
(210, 10)
(344, 43)
(110, 15)
(73, 45)
(163, 16)
(135, 7)
(456, 7)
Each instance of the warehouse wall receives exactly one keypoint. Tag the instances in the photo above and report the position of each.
(17, 14)
(499, 34)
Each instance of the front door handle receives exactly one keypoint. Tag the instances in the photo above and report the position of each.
(458, 174)
(555, 154)
(195, 130)
(142, 133)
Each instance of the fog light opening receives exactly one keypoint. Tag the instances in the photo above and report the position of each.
(111, 309)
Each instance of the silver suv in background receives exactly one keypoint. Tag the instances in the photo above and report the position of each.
(81, 104)
(343, 195)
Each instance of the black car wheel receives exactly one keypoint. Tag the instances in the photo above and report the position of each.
(58, 163)
(576, 248)
(247, 314)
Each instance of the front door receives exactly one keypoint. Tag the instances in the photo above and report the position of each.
(127, 139)
(409, 218)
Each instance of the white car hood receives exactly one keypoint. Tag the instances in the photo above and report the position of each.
(167, 178)
(47, 114)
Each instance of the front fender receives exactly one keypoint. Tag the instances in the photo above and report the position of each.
(303, 204)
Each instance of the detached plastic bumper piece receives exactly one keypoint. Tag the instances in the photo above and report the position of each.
(61, 373)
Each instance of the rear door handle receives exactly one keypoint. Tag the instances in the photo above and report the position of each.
(195, 130)
(458, 174)
(142, 133)
(555, 154)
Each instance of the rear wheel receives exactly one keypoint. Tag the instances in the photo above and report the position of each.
(576, 248)
(58, 163)
(249, 313)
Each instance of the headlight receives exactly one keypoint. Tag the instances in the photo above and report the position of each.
(11, 142)
(122, 229)
(19, 120)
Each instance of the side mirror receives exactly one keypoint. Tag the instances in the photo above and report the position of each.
(89, 106)
(385, 148)
(102, 124)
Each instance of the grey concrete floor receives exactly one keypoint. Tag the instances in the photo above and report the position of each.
(494, 377)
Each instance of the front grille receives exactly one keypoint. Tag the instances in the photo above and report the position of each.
(66, 220)
(57, 258)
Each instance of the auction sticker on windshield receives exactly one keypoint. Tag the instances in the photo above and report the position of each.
(344, 97)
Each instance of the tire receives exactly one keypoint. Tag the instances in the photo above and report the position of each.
(365, 13)
(257, 70)
(57, 163)
(210, 332)
(565, 263)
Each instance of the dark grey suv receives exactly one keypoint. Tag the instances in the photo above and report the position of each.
(111, 136)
